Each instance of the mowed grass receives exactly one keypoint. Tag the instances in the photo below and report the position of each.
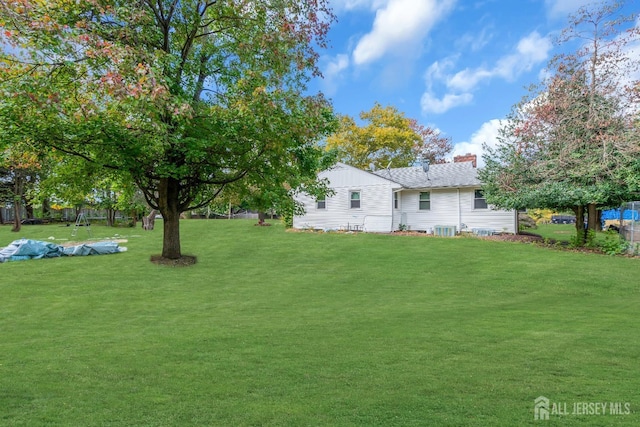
(559, 232)
(275, 328)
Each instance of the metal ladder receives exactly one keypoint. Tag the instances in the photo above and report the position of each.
(81, 221)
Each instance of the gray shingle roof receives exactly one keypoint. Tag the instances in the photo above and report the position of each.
(439, 176)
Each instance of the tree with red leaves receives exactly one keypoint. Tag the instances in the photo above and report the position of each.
(181, 97)
(572, 143)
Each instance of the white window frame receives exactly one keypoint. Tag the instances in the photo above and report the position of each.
(420, 201)
(324, 203)
(477, 199)
(351, 199)
(396, 200)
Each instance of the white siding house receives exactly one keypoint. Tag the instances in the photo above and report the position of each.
(361, 201)
(442, 198)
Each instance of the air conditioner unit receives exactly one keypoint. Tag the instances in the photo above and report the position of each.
(444, 230)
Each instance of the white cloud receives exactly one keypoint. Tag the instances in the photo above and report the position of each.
(340, 5)
(632, 51)
(339, 63)
(333, 71)
(468, 79)
(562, 8)
(432, 104)
(487, 134)
(439, 70)
(530, 51)
(475, 42)
(399, 24)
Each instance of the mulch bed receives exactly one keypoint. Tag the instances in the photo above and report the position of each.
(183, 261)
(522, 237)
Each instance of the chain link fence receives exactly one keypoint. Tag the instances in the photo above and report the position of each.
(629, 225)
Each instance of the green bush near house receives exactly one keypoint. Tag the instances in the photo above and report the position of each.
(277, 328)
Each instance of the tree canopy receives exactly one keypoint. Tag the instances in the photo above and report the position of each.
(387, 136)
(181, 97)
(572, 142)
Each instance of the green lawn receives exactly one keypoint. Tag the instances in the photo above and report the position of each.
(272, 328)
(560, 232)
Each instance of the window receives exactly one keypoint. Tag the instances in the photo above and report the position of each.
(321, 203)
(479, 201)
(354, 197)
(396, 202)
(425, 201)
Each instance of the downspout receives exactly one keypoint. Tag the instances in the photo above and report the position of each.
(393, 207)
(459, 213)
(393, 194)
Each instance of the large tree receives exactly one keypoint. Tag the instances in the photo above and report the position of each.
(572, 143)
(387, 136)
(20, 168)
(184, 97)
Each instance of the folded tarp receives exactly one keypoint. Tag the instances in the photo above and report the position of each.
(34, 249)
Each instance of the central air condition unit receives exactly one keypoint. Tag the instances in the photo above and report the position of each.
(444, 230)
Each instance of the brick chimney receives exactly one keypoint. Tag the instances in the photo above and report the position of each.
(466, 158)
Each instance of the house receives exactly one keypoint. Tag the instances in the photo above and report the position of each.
(443, 199)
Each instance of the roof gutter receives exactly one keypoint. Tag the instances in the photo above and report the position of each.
(444, 187)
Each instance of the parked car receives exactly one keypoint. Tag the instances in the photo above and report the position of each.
(563, 219)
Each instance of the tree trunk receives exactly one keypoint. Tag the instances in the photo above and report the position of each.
(1, 215)
(593, 221)
(46, 209)
(111, 217)
(171, 238)
(169, 204)
(17, 225)
(18, 190)
(28, 207)
(581, 233)
(261, 217)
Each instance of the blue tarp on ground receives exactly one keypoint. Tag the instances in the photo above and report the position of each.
(24, 249)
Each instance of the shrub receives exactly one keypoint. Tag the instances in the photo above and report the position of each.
(613, 244)
(287, 218)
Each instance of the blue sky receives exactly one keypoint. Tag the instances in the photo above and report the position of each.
(455, 65)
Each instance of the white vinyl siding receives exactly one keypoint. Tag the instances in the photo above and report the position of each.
(500, 221)
(376, 202)
(452, 207)
(442, 210)
(378, 211)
